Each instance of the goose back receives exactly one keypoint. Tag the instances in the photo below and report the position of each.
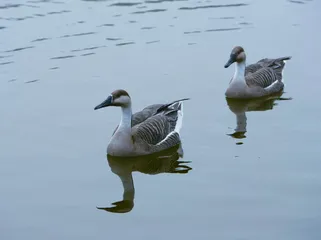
(159, 129)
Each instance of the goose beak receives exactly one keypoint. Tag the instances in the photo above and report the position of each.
(106, 103)
(230, 61)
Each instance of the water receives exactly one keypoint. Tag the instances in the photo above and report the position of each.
(59, 59)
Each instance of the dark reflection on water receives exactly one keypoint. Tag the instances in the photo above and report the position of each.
(164, 162)
(240, 107)
(214, 6)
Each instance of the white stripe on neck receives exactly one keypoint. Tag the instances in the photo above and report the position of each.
(126, 118)
(239, 74)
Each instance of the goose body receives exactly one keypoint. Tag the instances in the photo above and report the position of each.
(260, 79)
(153, 129)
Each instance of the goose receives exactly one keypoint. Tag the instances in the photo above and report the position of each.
(151, 130)
(167, 161)
(256, 80)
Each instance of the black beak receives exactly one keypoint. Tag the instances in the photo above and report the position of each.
(106, 103)
(230, 61)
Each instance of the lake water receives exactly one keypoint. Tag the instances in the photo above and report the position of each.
(59, 59)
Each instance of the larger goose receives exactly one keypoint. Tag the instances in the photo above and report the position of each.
(256, 80)
(153, 129)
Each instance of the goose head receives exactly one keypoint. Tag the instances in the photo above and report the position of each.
(237, 55)
(118, 98)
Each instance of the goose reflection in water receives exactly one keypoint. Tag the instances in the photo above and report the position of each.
(163, 162)
(240, 107)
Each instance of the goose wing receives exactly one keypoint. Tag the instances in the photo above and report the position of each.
(277, 64)
(263, 77)
(163, 127)
(154, 129)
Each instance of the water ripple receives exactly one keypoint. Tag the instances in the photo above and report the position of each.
(6, 63)
(7, 56)
(63, 57)
(58, 12)
(299, 2)
(214, 6)
(77, 34)
(88, 48)
(125, 4)
(125, 43)
(45, 1)
(222, 29)
(39, 15)
(192, 32)
(40, 39)
(32, 81)
(19, 49)
(161, 1)
(107, 25)
(18, 18)
(87, 54)
(150, 42)
(150, 11)
(113, 39)
(147, 28)
(10, 6)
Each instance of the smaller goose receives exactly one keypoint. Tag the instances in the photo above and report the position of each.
(256, 80)
(153, 129)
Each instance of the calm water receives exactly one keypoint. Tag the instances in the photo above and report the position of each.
(59, 59)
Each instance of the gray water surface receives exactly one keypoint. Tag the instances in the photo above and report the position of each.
(59, 59)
